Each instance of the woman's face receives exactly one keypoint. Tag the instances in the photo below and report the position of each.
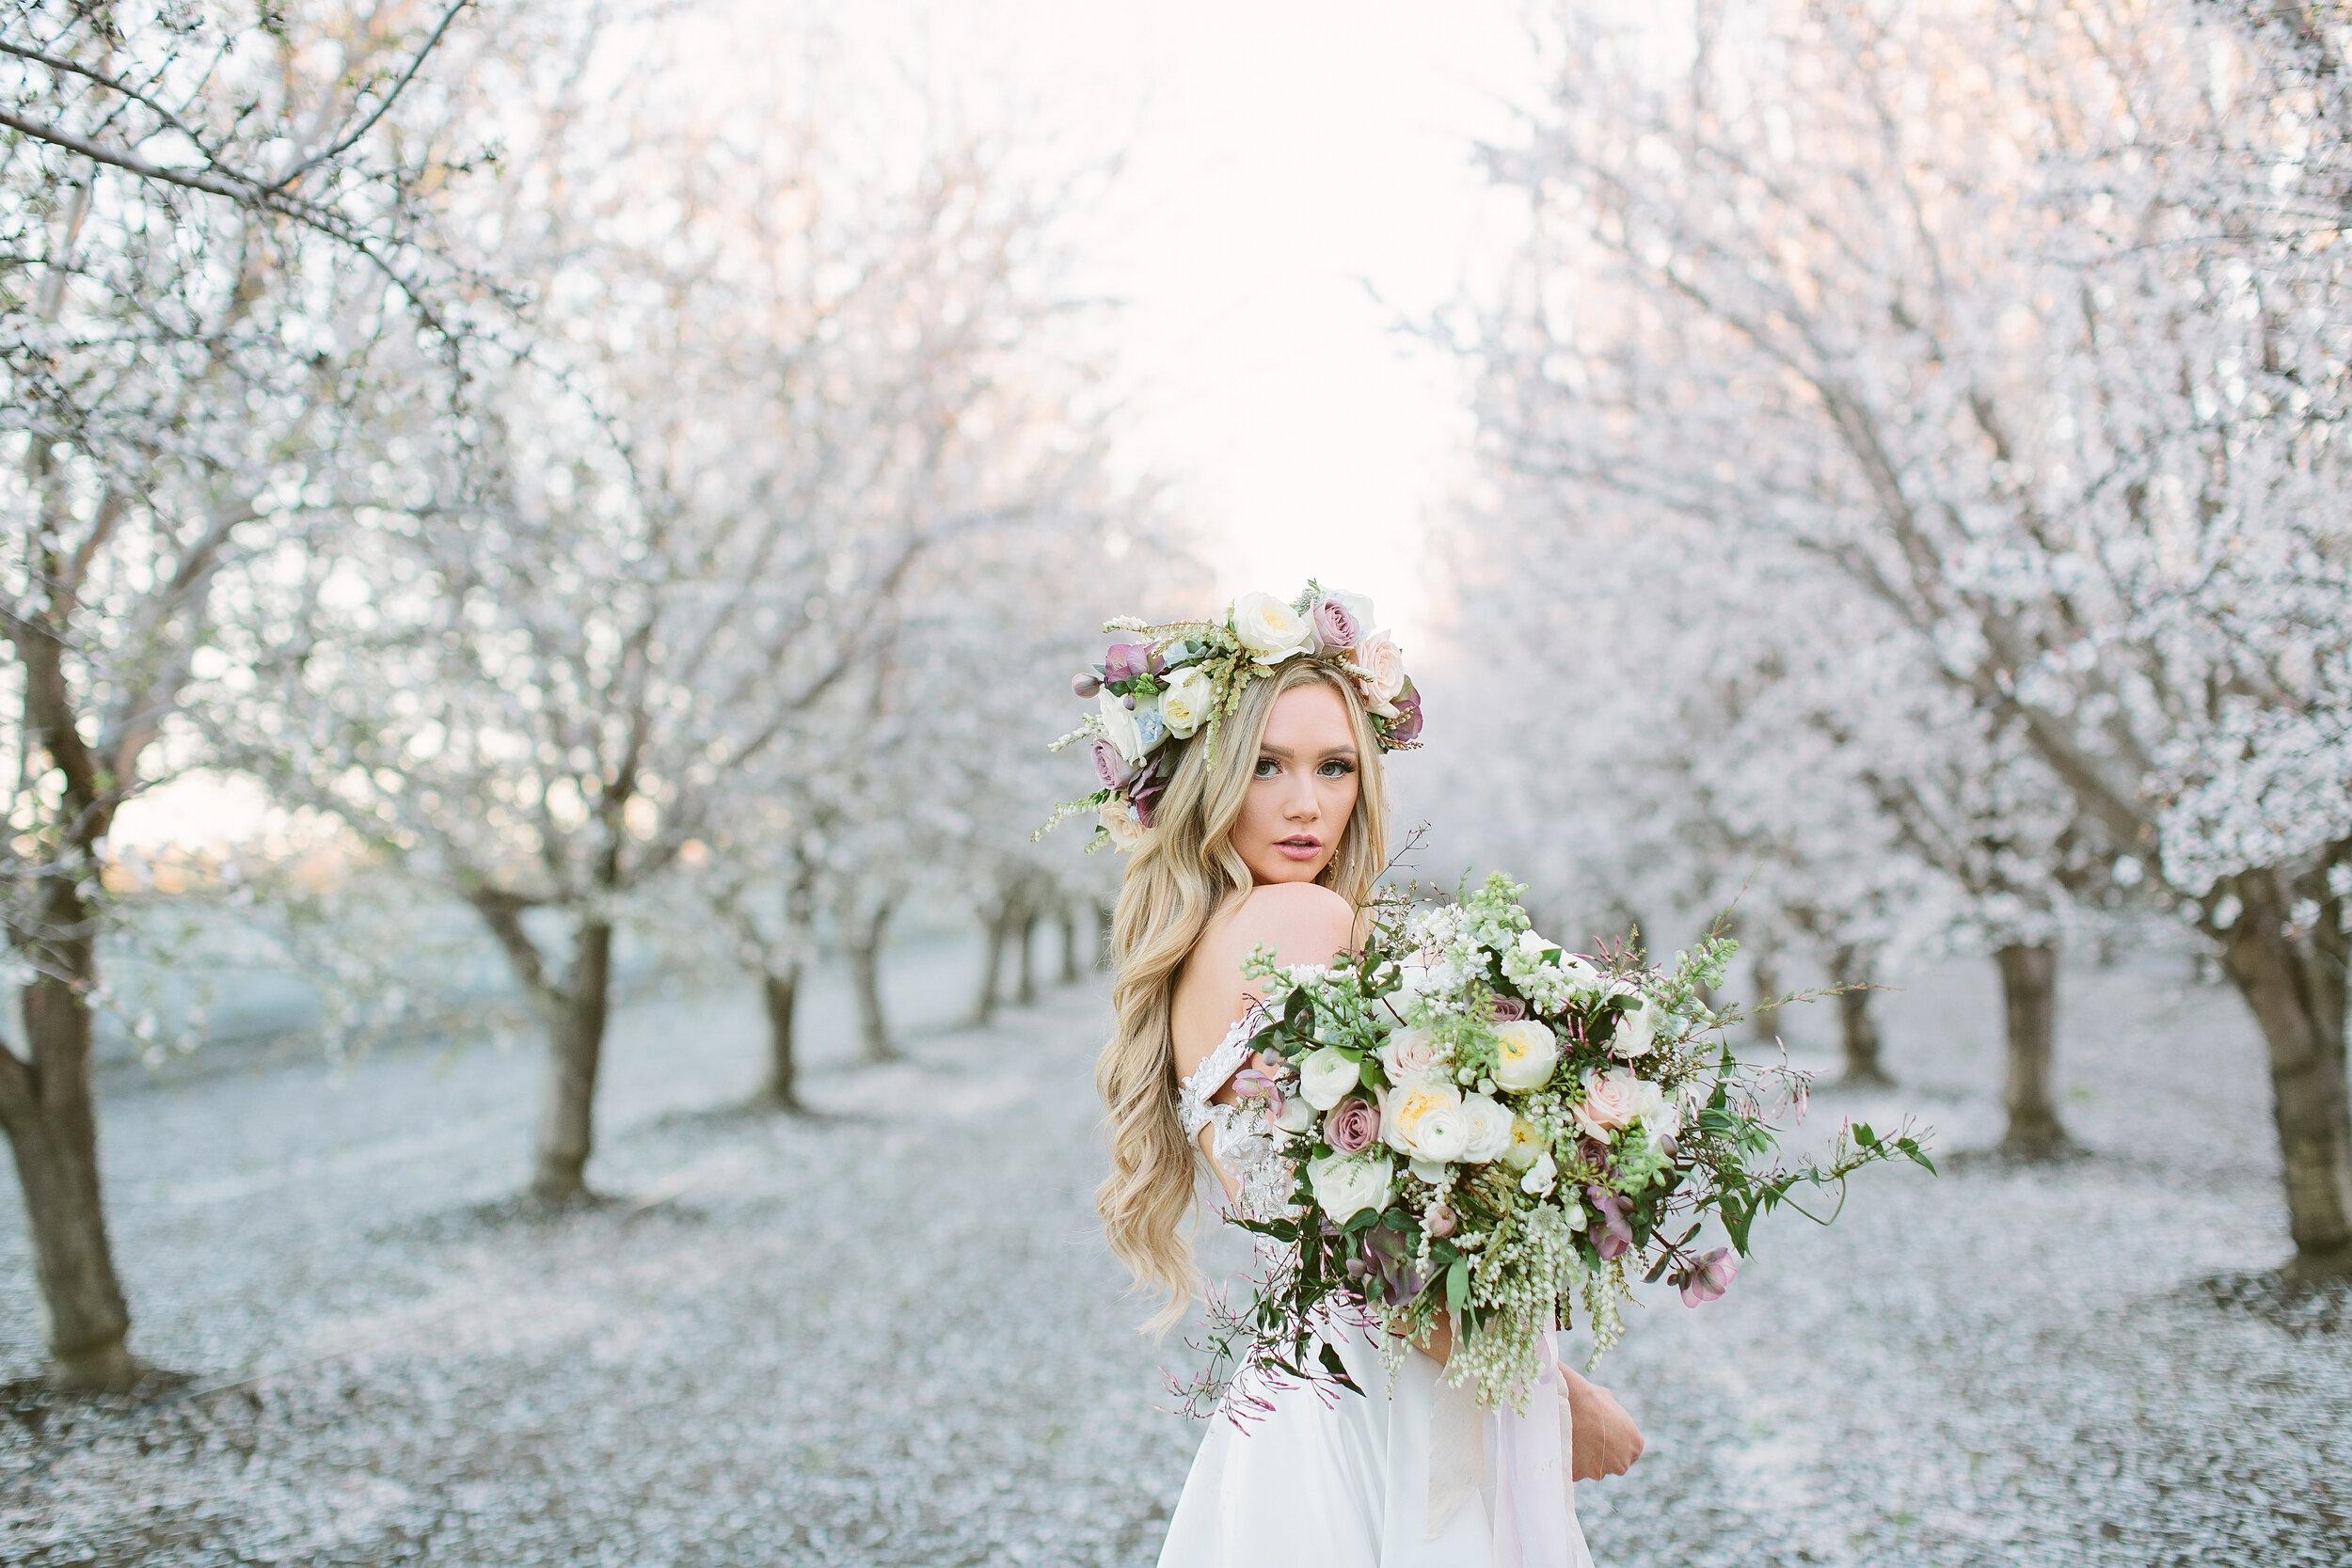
(1304, 790)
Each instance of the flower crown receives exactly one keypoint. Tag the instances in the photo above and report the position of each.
(1170, 682)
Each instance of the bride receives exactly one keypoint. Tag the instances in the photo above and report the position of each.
(1273, 833)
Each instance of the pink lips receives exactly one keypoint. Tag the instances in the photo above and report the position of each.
(1300, 846)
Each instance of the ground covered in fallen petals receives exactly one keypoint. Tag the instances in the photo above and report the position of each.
(888, 1334)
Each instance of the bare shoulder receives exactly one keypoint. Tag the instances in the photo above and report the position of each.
(1303, 923)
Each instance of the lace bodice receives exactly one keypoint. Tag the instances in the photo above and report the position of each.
(1244, 1133)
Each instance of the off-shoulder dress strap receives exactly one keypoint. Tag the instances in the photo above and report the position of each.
(1216, 1070)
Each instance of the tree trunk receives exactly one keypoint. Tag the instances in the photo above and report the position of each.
(1764, 1024)
(575, 1051)
(1105, 919)
(2028, 995)
(1857, 1031)
(2298, 1000)
(1025, 994)
(780, 1090)
(45, 1106)
(983, 1011)
(1068, 916)
(864, 943)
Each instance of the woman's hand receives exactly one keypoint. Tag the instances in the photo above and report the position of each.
(1606, 1442)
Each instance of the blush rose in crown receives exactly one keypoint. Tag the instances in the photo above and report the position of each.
(1483, 1129)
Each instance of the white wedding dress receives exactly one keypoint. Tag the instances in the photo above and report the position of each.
(1409, 1475)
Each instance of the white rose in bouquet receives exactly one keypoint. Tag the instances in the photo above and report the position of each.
(1297, 1116)
(1614, 1100)
(1184, 701)
(1328, 1076)
(1525, 1054)
(1345, 1185)
(1637, 1030)
(1410, 1053)
(1490, 1123)
(1270, 629)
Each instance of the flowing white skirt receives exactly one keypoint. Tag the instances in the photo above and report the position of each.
(1331, 1479)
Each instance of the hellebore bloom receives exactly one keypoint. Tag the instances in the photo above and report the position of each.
(1709, 1278)
(1085, 684)
(1615, 1236)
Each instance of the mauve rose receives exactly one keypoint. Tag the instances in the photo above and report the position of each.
(1405, 728)
(1509, 1009)
(1352, 1125)
(1109, 766)
(1335, 625)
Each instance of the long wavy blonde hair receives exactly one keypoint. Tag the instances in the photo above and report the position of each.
(1185, 871)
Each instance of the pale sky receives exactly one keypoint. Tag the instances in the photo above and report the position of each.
(1284, 155)
(1284, 160)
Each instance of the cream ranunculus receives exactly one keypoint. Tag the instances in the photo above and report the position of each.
(1526, 1143)
(1270, 629)
(1184, 701)
(1489, 1129)
(1347, 1184)
(1409, 1054)
(1119, 725)
(1383, 664)
(1125, 827)
(1411, 1104)
(1442, 1136)
(1328, 1076)
(1525, 1054)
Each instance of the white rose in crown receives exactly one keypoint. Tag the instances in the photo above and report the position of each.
(1328, 1076)
(1127, 830)
(1490, 1124)
(1525, 1054)
(1383, 664)
(1185, 700)
(1345, 1185)
(1269, 629)
(1118, 724)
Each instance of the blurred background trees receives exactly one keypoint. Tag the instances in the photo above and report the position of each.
(622, 518)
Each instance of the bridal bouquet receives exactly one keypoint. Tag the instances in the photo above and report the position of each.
(1485, 1127)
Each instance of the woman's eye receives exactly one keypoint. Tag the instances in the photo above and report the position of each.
(1336, 767)
(1266, 768)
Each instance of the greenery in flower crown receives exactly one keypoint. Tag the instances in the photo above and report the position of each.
(1167, 683)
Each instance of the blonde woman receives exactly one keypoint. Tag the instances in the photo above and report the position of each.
(1249, 789)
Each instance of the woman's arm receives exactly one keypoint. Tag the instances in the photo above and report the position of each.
(1606, 1440)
